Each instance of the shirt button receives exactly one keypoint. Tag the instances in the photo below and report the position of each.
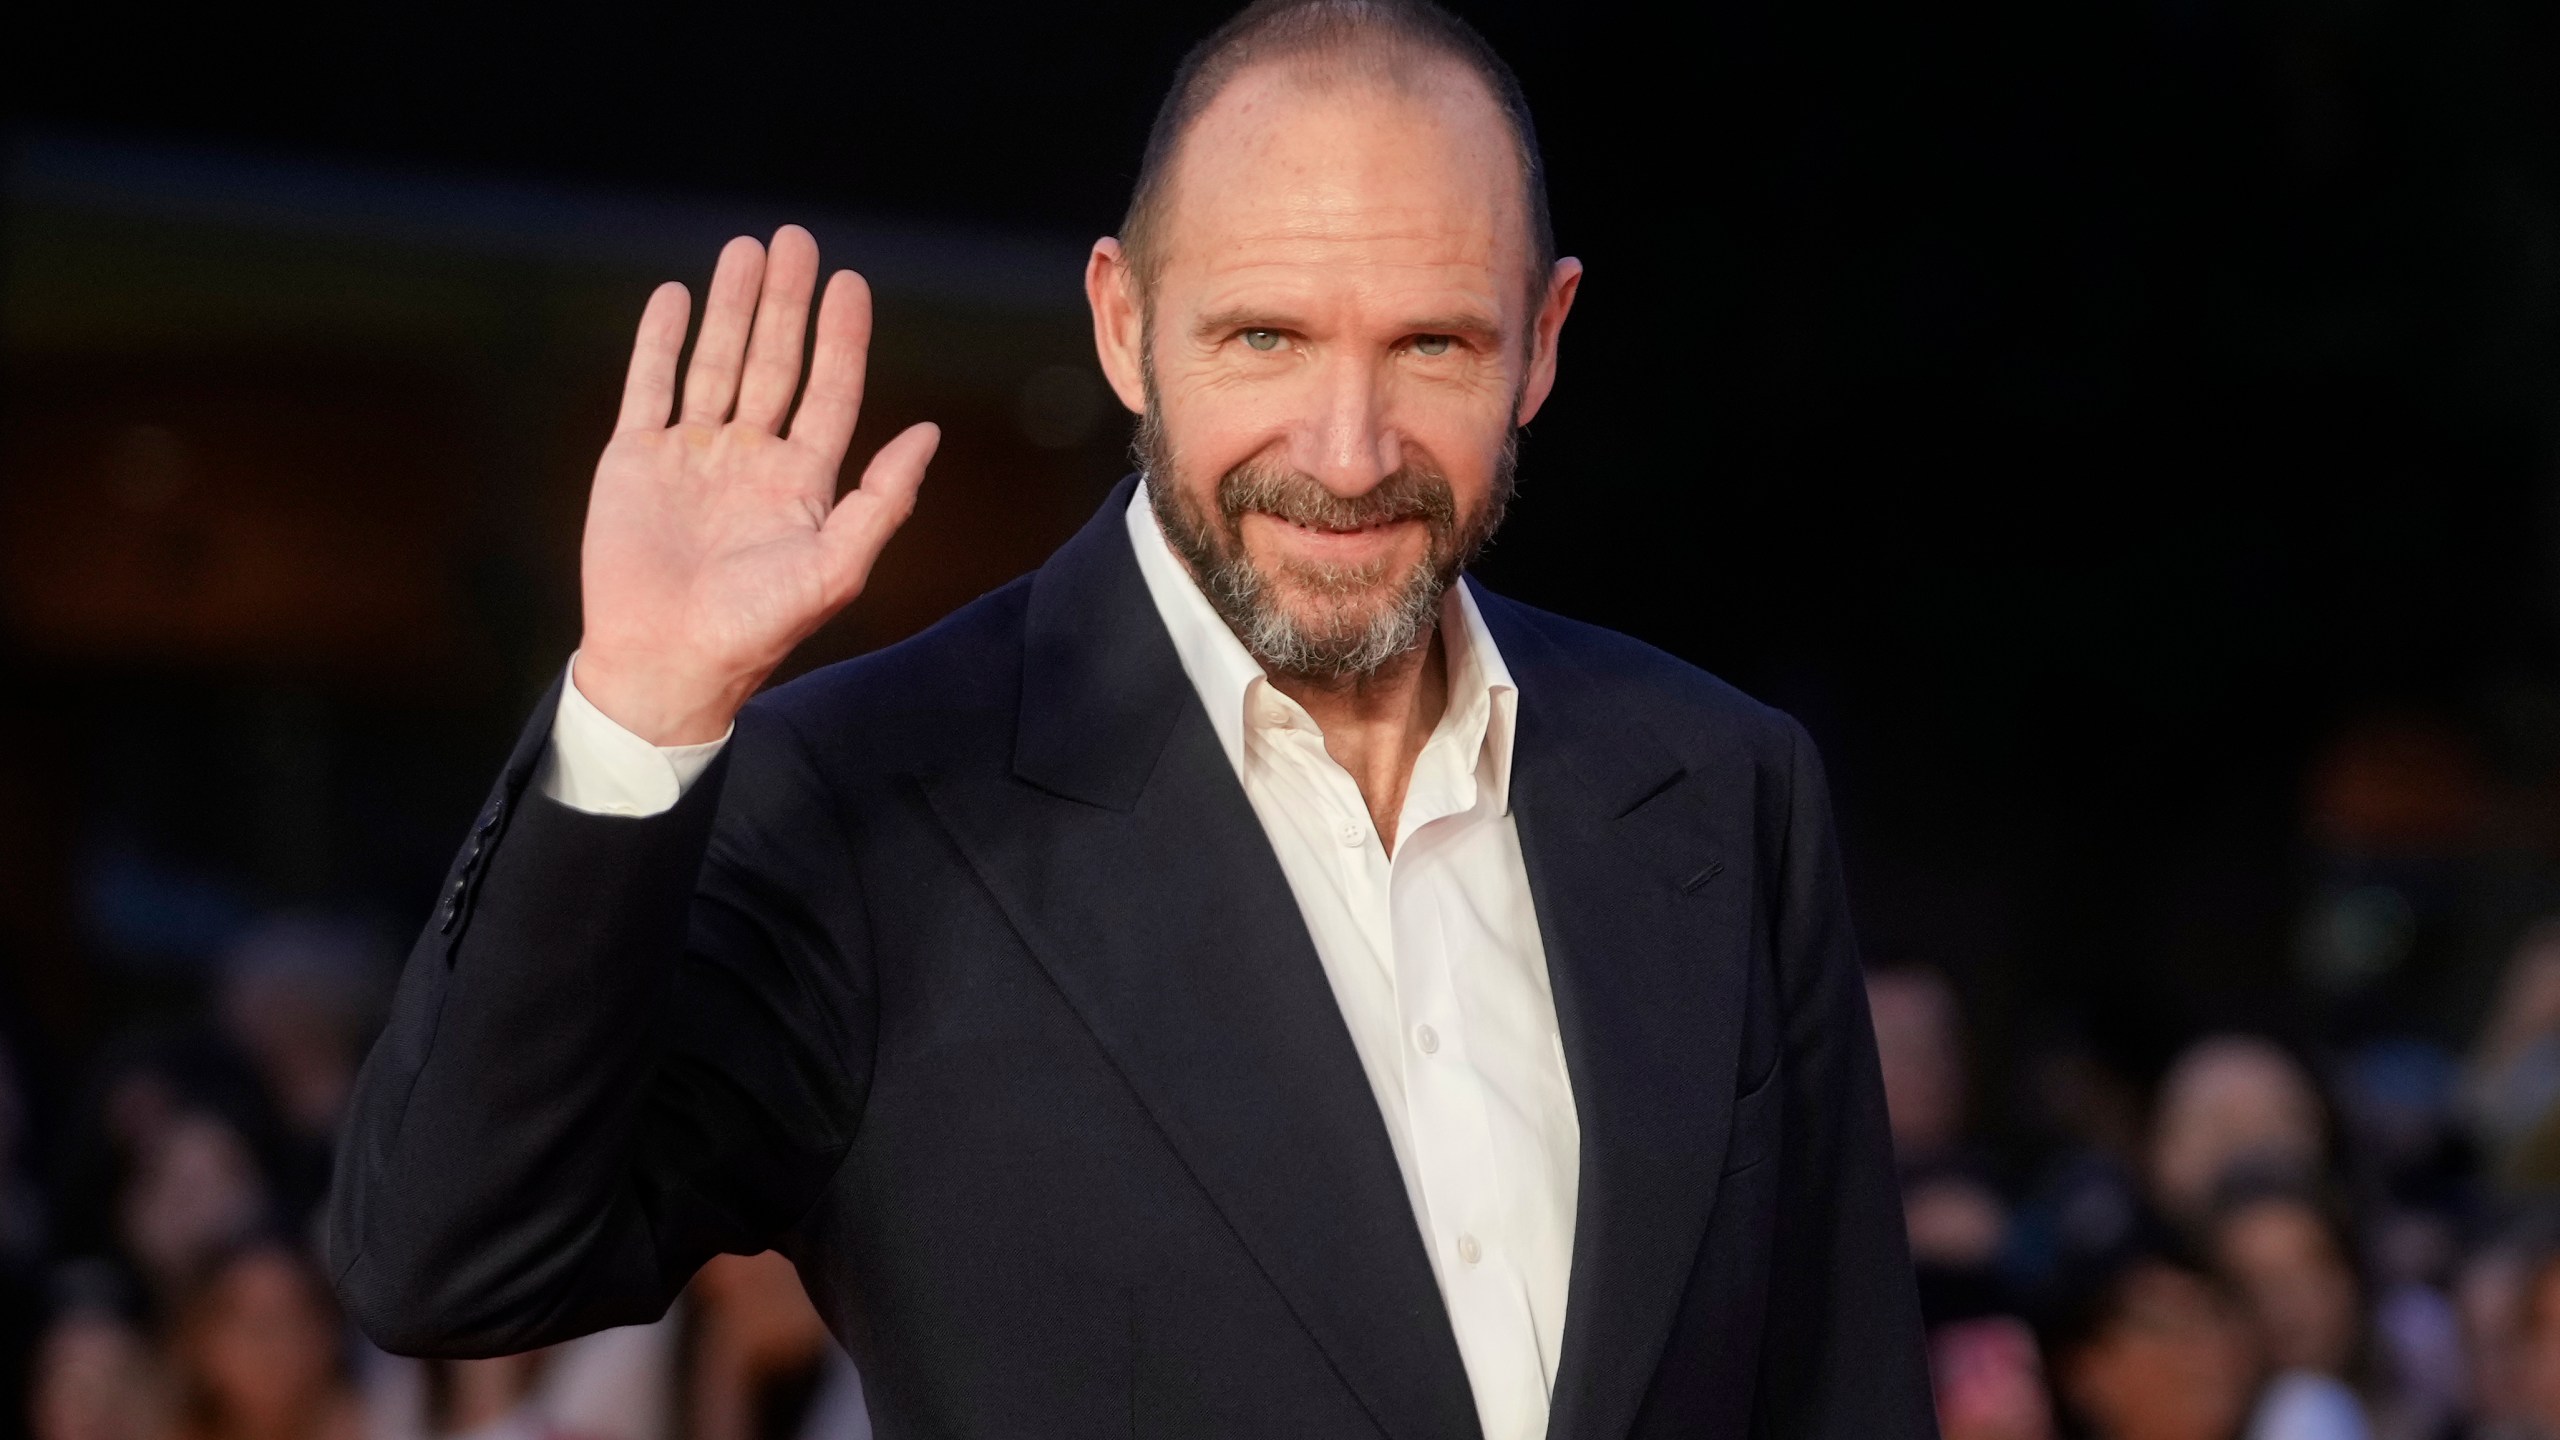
(1469, 1250)
(1275, 716)
(1351, 835)
(1427, 1039)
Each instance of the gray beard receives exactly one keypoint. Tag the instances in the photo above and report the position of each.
(1346, 641)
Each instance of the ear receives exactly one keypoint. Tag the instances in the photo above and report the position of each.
(1562, 283)
(1119, 322)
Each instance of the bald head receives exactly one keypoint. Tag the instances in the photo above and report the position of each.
(1410, 49)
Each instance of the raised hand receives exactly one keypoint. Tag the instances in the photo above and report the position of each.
(716, 543)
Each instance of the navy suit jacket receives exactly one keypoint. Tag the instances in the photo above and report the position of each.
(967, 979)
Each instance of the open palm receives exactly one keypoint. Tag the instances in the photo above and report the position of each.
(716, 543)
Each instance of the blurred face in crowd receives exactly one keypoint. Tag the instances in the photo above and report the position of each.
(2299, 1287)
(2231, 1103)
(94, 1380)
(294, 995)
(2173, 1362)
(1339, 342)
(195, 1191)
(258, 1348)
(1989, 1381)
(2528, 1006)
(1919, 1041)
(2512, 1060)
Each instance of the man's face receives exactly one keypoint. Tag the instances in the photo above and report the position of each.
(1335, 356)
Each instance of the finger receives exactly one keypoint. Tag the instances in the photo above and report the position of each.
(649, 388)
(865, 518)
(834, 401)
(782, 319)
(712, 382)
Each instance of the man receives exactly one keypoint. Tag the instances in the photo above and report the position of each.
(1238, 980)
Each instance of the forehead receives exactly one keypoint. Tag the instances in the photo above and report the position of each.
(1296, 169)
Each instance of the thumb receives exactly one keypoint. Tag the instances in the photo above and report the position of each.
(871, 512)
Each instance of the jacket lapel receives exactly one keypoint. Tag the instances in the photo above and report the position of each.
(1642, 882)
(1123, 850)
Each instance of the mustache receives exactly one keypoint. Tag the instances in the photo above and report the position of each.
(1411, 492)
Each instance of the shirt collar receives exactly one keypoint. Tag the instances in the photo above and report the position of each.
(1483, 707)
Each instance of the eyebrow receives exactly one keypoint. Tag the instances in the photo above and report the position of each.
(1467, 323)
(1225, 320)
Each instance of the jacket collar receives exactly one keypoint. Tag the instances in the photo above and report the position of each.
(1101, 683)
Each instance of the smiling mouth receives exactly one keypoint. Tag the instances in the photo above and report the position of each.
(1372, 527)
(1359, 546)
(1343, 529)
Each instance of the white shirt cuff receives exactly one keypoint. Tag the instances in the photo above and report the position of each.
(596, 766)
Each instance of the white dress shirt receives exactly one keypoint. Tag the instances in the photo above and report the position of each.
(1433, 954)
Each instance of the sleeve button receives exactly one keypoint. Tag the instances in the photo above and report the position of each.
(453, 904)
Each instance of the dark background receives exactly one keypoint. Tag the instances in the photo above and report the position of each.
(2124, 433)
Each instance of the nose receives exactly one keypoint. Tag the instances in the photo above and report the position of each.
(1344, 439)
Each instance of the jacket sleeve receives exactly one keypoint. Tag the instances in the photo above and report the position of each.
(619, 1047)
(1844, 1357)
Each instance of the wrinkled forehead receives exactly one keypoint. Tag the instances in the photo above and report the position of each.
(1359, 168)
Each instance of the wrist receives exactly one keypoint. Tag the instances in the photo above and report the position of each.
(662, 702)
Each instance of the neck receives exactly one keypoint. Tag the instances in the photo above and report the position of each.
(1376, 724)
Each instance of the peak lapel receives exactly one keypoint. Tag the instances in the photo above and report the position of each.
(1125, 854)
(1641, 881)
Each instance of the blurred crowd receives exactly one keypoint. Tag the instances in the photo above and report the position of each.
(2275, 1242)
(2263, 1243)
(164, 1281)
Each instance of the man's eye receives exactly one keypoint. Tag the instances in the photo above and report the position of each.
(1430, 344)
(1262, 339)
